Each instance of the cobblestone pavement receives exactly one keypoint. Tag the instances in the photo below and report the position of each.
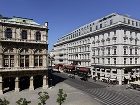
(75, 96)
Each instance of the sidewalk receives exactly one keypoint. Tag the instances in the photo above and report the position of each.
(75, 97)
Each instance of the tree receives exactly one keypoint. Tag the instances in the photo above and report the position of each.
(43, 97)
(61, 97)
(23, 101)
(4, 102)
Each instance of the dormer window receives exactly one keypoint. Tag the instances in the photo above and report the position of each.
(8, 33)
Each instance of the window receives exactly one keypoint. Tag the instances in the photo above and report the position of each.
(24, 60)
(98, 60)
(103, 60)
(136, 23)
(111, 22)
(90, 29)
(124, 60)
(38, 35)
(100, 25)
(38, 60)
(114, 60)
(136, 51)
(130, 60)
(124, 50)
(108, 60)
(130, 51)
(115, 51)
(132, 22)
(124, 20)
(135, 60)
(128, 21)
(8, 33)
(24, 34)
(8, 61)
(96, 27)
(108, 51)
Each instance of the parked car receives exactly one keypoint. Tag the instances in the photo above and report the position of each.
(71, 76)
(84, 78)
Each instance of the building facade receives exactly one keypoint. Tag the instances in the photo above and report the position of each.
(23, 54)
(109, 46)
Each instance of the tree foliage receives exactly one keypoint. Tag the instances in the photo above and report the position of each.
(61, 97)
(23, 101)
(4, 102)
(43, 97)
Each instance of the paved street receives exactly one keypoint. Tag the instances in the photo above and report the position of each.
(112, 95)
(75, 96)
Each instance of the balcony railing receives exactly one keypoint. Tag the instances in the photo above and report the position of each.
(5, 69)
(23, 40)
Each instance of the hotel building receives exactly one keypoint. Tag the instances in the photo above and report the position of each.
(109, 46)
(23, 54)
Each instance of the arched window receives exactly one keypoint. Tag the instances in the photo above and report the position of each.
(8, 33)
(38, 35)
(24, 34)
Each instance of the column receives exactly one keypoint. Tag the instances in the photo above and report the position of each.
(31, 60)
(119, 76)
(45, 82)
(45, 62)
(17, 84)
(31, 83)
(16, 60)
(1, 82)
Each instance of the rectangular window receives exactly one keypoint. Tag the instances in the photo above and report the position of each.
(108, 51)
(111, 22)
(128, 21)
(130, 60)
(136, 51)
(100, 25)
(96, 27)
(114, 51)
(130, 51)
(103, 60)
(114, 61)
(124, 60)
(124, 50)
(108, 60)
(135, 60)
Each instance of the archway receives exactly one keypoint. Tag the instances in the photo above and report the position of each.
(38, 81)
(24, 82)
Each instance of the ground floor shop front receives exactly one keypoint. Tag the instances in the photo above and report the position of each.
(20, 80)
(115, 75)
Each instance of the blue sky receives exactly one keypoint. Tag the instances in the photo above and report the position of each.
(66, 15)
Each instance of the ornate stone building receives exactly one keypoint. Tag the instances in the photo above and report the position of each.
(23, 54)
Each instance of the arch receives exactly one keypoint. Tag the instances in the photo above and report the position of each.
(8, 33)
(38, 36)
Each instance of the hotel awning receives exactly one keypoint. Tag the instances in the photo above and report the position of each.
(83, 69)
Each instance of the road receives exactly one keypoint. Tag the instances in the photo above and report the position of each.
(100, 92)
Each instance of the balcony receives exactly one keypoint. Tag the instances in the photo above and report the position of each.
(14, 69)
(23, 41)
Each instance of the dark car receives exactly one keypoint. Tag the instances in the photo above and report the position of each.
(84, 78)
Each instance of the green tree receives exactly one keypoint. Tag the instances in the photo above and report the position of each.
(23, 101)
(61, 97)
(4, 102)
(43, 97)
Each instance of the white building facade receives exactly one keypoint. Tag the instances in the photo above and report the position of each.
(109, 46)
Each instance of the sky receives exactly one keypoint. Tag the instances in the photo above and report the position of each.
(64, 16)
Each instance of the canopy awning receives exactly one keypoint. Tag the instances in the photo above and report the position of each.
(83, 69)
(136, 82)
(71, 67)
